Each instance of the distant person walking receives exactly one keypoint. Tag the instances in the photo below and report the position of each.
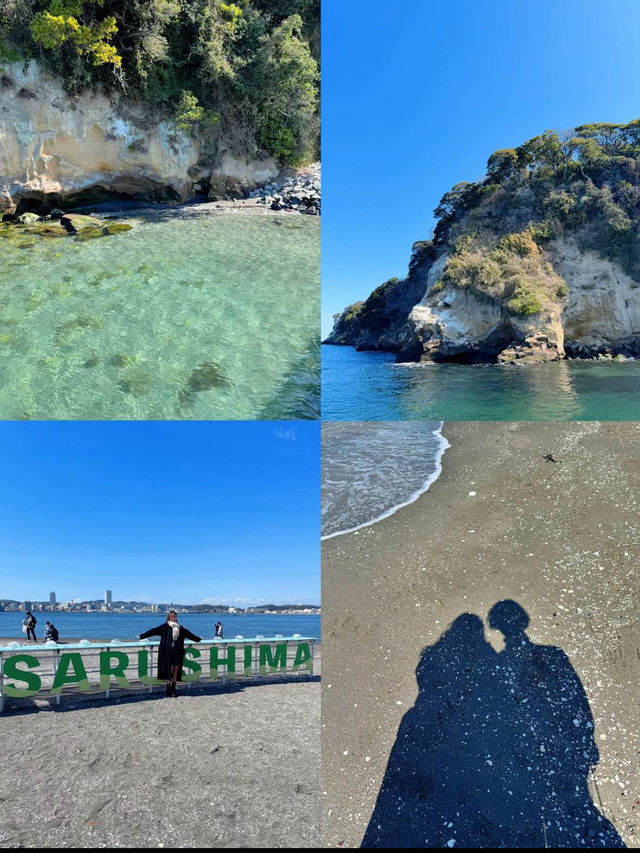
(171, 650)
(30, 625)
(50, 632)
(219, 630)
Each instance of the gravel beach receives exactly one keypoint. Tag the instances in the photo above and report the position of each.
(542, 513)
(221, 767)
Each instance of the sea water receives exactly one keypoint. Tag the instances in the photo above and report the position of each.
(186, 316)
(372, 469)
(126, 626)
(371, 386)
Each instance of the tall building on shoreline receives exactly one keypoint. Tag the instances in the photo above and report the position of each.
(107, 598)
(52, 598)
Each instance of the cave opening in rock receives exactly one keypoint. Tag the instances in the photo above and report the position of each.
(95, 196)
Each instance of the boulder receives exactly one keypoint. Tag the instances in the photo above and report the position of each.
(537, 349)
(7, 204)
(116, 227)
(28, 218)
(75, 222)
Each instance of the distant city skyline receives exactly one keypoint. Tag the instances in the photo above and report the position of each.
(188, 512)
(239, 602)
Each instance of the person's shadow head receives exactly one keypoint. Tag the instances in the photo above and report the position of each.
(463, 642)
(495, 751)
(510, 619)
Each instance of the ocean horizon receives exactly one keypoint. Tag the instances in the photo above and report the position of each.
(126, 626)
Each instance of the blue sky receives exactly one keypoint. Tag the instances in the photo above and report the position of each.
(417, 95)
(160, 511)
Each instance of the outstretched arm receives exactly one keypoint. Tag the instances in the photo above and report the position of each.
(153, 632)
(191, 636)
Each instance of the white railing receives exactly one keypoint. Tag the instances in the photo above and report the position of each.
(53, 669)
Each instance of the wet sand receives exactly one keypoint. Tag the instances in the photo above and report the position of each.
(561, 538)
(222, 767)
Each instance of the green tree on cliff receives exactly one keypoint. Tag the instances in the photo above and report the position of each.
(251, 65)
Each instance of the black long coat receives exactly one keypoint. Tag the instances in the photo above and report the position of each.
(170, 653)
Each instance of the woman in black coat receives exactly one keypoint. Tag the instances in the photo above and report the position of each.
(171, 649)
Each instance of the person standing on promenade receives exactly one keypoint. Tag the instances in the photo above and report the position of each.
(171, 650)
(219, 630)
(30, 624)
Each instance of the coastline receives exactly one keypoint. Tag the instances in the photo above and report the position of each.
(559, 538)
(246, 206)
(443, 445)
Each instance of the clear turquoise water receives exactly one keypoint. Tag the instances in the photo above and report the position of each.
(360, 386)
(188, 316)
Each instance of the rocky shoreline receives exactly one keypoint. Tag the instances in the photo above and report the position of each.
(299, 193)
(296, 190)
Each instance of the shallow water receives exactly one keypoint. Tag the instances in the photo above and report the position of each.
(185, 316)
(371, 469)
(371, 386)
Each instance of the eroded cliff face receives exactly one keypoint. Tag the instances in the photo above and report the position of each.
(589, 307)
(603, 310)
(54, 146)
(537, 260)
(453, 323)
(377, 323)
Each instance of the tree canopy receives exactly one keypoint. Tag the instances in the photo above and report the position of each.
(248, 68)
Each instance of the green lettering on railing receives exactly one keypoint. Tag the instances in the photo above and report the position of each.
(195, 668)
(143, 668)
(73, 661)
(303, 657)
(270, 659)
(117, 671)
(215, 661)
(276, 662)
(11, 670)
(248, 657)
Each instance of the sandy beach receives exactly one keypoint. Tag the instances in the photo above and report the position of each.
(225, 767)
(562, 538)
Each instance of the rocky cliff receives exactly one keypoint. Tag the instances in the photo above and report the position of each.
(57, 148)
(538, 261)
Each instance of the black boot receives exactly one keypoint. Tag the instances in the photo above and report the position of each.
(174, 691)
(168, 691)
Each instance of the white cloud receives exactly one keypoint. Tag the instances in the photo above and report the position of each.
(288, 434)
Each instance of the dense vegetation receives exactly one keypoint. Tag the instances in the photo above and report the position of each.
(246, 69)
(584, 184)
(496, 237)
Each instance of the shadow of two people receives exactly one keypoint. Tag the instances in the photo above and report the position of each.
(496, 750)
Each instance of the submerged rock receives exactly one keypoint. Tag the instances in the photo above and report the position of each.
(135, 382)
(116, 227)
(47, 229)
(123, 360)
(75, 222)
(89, 233)
(208, 375)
